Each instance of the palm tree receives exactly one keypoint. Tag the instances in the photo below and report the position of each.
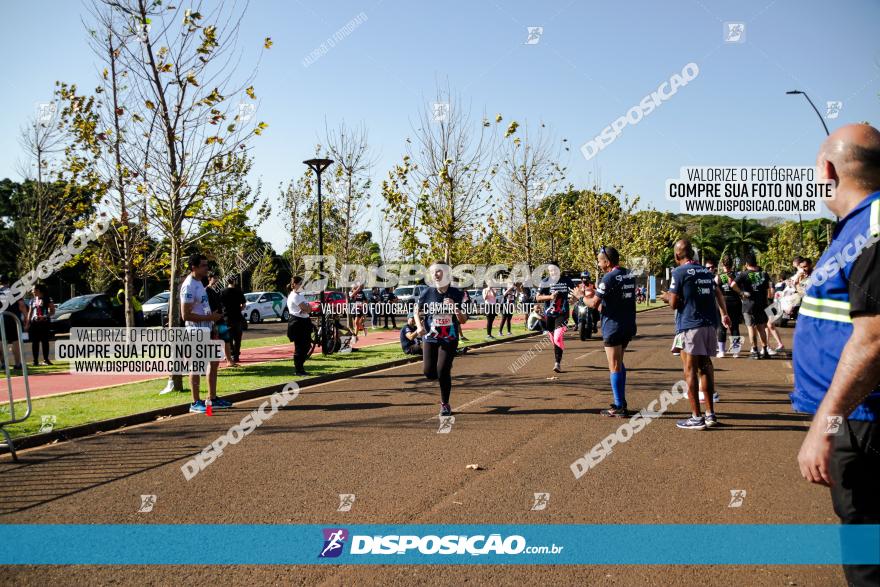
(705, 243)
(745, 237)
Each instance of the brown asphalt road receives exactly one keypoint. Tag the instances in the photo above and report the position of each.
(376, 436)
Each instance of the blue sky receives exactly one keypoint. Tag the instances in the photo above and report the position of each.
(594, 61)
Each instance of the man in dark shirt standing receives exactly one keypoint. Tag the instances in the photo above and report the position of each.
(616, 296)
(755, 285)
(233, 302)
(698, 299)
(388, 298)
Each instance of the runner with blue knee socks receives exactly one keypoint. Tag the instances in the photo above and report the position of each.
(615, 297)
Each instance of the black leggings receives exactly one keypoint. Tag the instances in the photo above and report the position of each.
(505, 319)
(38, 332)
(490, 318)
(552, 324)
(438, 357)
(302, 342)
(734, 310)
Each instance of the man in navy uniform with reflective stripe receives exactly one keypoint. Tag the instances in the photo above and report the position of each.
(837, 340)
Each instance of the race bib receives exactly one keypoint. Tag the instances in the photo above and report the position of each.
(442, 320)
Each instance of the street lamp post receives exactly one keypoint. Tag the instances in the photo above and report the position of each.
(318, 166)
(825, 126)
(804, 94)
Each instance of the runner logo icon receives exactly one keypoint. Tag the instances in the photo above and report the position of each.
(346, 500)
(737, 497)
(446, 423)
(334, 540)
(834, 423)
(541, 502)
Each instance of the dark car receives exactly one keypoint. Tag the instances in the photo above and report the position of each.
(92, 310)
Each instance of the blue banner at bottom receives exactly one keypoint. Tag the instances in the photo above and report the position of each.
(637, 544)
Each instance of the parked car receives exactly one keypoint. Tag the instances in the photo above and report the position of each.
(156, 309)
(92, 310)
(476, 296)
(409, 294)
(335, 299)
(262, 305)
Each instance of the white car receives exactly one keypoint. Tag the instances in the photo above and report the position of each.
(156, 309)
(263, 305)
(409, 294)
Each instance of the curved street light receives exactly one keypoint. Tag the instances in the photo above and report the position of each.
(318, 166)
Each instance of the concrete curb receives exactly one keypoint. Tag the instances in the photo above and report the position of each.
(66, 434)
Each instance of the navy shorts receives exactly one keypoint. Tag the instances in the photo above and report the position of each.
(619, 338)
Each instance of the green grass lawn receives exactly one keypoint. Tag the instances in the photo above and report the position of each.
(100, 404)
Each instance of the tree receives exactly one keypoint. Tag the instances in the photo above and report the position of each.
(400, 211)
(654, 235)
(452, 164)
(705, 242)
(782, 247)
(50, 203)
(527, 172)
(745, 237)
(228, 229)
(602, 219)
(265, 274)
(103, 130)
(350, 150)
(186, 114)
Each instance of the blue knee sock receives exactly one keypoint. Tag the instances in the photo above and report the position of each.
(618, 388)
(623, 372)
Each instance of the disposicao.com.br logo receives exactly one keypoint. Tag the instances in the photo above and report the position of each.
(480, 544)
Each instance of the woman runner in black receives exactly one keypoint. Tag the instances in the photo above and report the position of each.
(439, 317)
(555, 293)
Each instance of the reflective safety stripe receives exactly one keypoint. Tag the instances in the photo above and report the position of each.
(836, 310)
(875, 218)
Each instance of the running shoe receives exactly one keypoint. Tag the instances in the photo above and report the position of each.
(198, 407)
(616, 411)
(769, 351)
(445, 410)
(492, 337)
(557, 368)
(719, 355)
(302, 373)
(780, 349)
(766, 354)
(754, 354)
(692, 423)
(711, 420)
(219, 402)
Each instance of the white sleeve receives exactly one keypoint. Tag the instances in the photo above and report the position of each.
(186, 293)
